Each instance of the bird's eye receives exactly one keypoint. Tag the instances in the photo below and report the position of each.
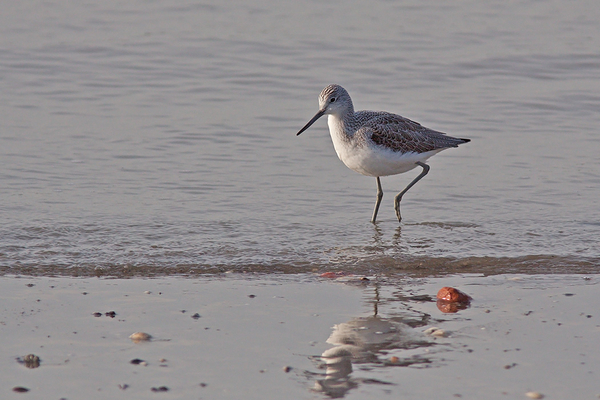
(332, 100)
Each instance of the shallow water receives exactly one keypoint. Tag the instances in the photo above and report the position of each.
(156, 138)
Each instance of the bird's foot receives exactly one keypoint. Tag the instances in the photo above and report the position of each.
(397, 208)
(399, 216)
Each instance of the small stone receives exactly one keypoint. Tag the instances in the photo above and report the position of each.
(451, 300)
(20, 389)
(196, 316)
(123, 386)
(97, 314)
(160, 389)
(138, 337)
(203, 384)
(534, 395)
(453, 295)
(137, 361)
(31, 361)
(111, 314)
(394, 360)
(252, 296)
(147, 292)
(287, 369)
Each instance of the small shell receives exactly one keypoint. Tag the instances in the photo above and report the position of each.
(534, 395)
(140, 337)
(435, 331)
(439, 333)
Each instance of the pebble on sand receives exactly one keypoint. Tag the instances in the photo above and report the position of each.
(451, 300)
(31, 361)
(451, 294)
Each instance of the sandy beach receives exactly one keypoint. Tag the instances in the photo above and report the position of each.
(299, 336)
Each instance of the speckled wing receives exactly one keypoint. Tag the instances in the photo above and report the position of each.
(403, 135)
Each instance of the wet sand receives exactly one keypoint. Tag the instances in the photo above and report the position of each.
(300, 336)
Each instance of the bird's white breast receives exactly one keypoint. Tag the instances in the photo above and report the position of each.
(364, 157)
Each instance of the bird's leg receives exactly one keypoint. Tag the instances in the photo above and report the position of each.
(378, 202)
(399, 196)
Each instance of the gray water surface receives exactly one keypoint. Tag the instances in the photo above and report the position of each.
(160, 136)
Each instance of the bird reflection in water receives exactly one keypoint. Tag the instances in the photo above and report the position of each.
(365, 340)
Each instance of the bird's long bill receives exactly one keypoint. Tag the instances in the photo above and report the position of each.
(312, 121)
